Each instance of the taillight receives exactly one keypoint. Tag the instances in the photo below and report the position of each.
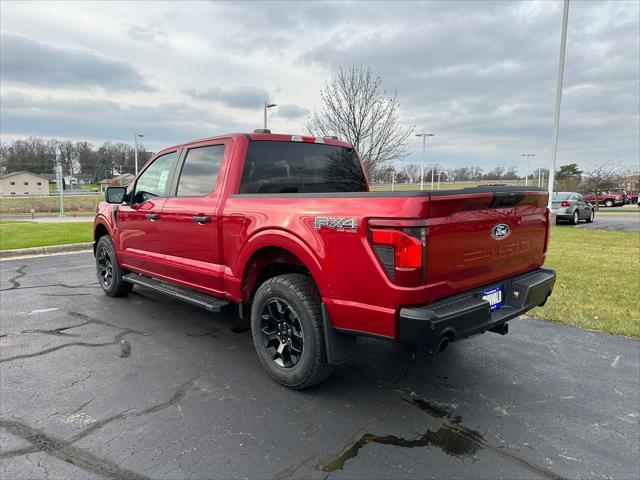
(565, 204)
(400, 246)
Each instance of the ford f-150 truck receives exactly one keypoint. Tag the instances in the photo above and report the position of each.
(285, 226)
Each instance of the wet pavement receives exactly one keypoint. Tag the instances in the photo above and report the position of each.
(148, 387)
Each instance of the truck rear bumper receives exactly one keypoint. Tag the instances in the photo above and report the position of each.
(467, 313)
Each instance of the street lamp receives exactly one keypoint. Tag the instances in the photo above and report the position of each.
(135, 140)
(424, 154)
(267, 105)
(526, 176)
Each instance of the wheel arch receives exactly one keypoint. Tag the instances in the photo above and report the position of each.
(99, 231)
(272, 253)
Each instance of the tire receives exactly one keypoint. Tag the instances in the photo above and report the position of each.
(591, 216)
(109, 271)
(575, 218)
(288, 331)
(608, 203)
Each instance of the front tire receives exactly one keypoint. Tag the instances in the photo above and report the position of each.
(109, 271)
(608, 203)
(288, 331)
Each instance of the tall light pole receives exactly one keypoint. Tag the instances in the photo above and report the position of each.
(424, 154)
(556, 118)
(439, 174)
(526, 175)
(135, 140)
(433, 167)
(267, 105)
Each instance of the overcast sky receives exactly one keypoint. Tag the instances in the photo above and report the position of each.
(479, 75)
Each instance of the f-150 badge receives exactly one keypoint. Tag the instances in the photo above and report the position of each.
(337, 223)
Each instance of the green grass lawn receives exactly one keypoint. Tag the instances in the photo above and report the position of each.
(598, 281)
(20, 234)
(72, 204)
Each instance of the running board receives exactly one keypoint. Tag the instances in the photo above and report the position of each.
(212, 304)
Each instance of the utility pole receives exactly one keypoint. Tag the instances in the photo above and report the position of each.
(267, 105)
(135, 155)
(424, 154)
(393, 180)
(556, 118)
(526, 175)
(439, 174)
(60, 181)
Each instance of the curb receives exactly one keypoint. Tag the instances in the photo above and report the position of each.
(48, 250)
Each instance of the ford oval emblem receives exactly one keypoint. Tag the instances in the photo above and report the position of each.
(500, 231)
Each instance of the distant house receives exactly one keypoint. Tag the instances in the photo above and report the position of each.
(23, 183)
(122, 180)
(104, 184)
(119, 181)
(77, 179)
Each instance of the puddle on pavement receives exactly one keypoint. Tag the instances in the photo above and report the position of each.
(452, 438)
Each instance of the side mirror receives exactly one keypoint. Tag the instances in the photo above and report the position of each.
(115, 194)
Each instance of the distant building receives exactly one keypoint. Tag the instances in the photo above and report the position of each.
(23, 183)
(120, 181)
(77, 179)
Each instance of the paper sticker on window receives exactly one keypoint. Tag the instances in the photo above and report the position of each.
(162, 181)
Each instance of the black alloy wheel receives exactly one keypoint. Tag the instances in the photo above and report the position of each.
(282, 334)
(109, 272)
(105, 267)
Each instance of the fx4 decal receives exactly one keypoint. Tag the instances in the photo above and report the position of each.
(337, 223)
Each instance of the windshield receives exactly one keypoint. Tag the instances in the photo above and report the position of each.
(293, 167)
(560, 197)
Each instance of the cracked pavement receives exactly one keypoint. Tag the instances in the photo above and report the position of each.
(149, 387)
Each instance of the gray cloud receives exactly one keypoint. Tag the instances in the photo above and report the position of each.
(481, 75)
(28, 61)
(99, 120)
(292, 111)
(147, 33)
(235, 97)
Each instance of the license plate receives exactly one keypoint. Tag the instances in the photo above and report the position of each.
(493, 296)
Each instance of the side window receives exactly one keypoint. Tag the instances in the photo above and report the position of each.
(200, 171)
(153, 182)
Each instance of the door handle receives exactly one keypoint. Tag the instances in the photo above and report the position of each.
(152, 216)
(202, 219)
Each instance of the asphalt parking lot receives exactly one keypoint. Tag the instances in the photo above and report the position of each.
(627, 219)
(148, 387)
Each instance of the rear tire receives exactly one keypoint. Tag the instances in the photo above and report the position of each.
(109, 271)
(591, 216)
(288, 331)
(575, 218)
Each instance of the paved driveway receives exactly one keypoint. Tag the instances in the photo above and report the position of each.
(147, 387)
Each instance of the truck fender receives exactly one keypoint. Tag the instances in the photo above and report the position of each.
(273, 238)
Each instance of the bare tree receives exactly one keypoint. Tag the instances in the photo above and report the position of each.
(357, 109)
(601, 177)
(411, 172)
(68, 157)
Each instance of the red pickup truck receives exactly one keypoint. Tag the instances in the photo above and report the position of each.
(608, 199)
(285, 226)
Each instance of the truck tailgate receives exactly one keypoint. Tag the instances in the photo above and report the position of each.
(482, 237)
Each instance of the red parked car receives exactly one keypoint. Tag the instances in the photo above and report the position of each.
(285, 227)
(608, 199)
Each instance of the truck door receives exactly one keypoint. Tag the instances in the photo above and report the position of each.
(139, 221)
(190, 225)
